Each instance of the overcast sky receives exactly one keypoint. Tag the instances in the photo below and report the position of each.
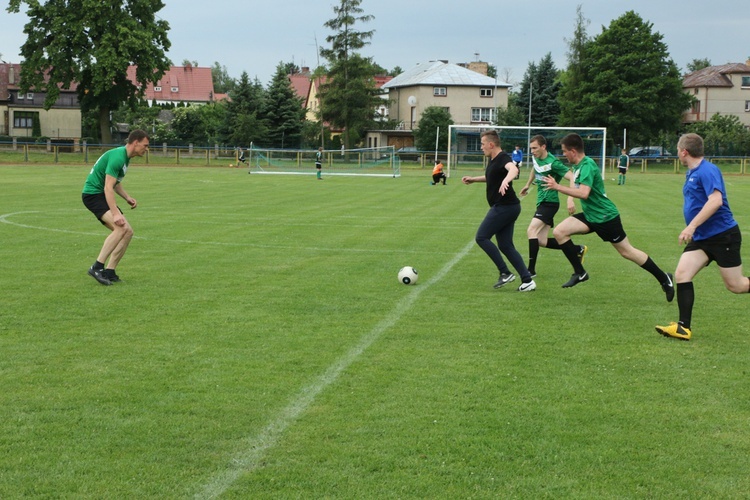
(254, 36)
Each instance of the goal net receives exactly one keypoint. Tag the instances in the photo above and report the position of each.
(373, 162)
(465, 152)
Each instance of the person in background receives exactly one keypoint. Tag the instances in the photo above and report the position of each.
(319, 163)
(438, 174)
(517, 157)
(711, 234)
(623, 164)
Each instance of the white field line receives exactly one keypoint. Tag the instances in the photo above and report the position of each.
(253, 448)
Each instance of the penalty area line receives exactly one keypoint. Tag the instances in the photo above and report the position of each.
(253, 448)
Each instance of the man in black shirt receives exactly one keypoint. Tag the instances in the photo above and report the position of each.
(505, 207)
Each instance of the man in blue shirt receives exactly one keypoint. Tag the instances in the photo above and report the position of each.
(517, 157)
(711, 234)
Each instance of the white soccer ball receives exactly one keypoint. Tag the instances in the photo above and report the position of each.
(408, 275)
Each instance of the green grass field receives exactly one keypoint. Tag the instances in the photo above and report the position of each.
(260, 346)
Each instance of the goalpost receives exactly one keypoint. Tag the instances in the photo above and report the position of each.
(373, 162)
(464, 145)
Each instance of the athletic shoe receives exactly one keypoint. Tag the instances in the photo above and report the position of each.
(504, 279)
(527, 287)
(575, 279)
(668, 288)
(98, 275)
(582, 250)
(111, 275)
(675, 330)
(532, 272)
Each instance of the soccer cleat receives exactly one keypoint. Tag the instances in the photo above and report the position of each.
(527, 287)
(668, 288)
(675, 330)
(98, 275)
(111, 275)
(582, 250)
(532, 272)
(504, 279)
(575, 279)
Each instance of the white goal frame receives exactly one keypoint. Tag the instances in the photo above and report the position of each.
(379, 161)
(527, 153)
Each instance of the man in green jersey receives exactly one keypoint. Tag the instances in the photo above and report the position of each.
(622, 165)
(599, 215)
(547, 200)
(99, 197)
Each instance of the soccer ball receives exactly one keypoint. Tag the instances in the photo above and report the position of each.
(408, 275)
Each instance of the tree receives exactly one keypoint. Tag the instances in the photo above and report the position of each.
(513, 114)
(92, 44)
(573, 77)
(223, 83)
(433, 118)
(244, 120)
(543, 82)
(349, 96)
(723, 135)
(283, 112)
(698, 64)
(630, 82)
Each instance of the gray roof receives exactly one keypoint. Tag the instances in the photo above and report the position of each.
(442, 73)
(714, 76)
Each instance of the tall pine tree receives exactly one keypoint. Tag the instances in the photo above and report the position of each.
(283, 112)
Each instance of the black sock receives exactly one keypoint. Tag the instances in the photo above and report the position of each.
(651, 267)
(571, 252)
(533, 252)
(98, 266)
(552, 244)
(685, 300)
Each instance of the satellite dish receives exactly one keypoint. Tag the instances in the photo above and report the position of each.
(412, 100)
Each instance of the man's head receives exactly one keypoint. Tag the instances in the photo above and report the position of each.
(572, 147)
(137, 143)
(690, 144)
(538, 146)
(490, 142)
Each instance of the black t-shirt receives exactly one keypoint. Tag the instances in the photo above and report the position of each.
(495, 173)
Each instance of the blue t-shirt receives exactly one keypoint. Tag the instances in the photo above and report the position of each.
(517, 155)
(700, 182)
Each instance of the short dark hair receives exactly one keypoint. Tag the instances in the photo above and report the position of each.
(491, 136)
(573, 141)
(692, 143)
(137, 135)
(539, 139)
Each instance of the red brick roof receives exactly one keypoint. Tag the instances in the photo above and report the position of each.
(12, 71)
(180, 84)
(301, 84)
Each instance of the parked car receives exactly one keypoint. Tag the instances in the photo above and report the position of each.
(648, 152)
(408, 153)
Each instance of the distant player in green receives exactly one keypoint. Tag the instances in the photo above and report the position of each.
(599, 215)
(319, 162)
(547, 200)
(623, 164)
(102, 183)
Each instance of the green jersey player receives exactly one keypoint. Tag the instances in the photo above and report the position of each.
(599, 215)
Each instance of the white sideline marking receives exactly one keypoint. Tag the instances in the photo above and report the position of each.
(253, 448)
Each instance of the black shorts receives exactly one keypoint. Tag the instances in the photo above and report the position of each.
(724, 248)
(610, 231)
(623, 170)
(546, 211)
(319, 166)
(97, 204)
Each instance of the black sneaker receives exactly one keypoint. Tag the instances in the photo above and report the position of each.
(98, 275)
(504, 279)
(575, 279)
(111, 275)
(668, 287)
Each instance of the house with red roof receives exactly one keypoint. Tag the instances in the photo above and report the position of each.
(181, 84)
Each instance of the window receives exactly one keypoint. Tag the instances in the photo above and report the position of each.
(439, 91)
(747, 105)
(174, 89)
(30, 96)
(746, 81)
(485, 93)
(157, 89)
(696, 107)
(482, 114)
(473, 143)
(24, 119)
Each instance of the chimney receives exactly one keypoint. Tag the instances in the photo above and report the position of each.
(11, 75)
